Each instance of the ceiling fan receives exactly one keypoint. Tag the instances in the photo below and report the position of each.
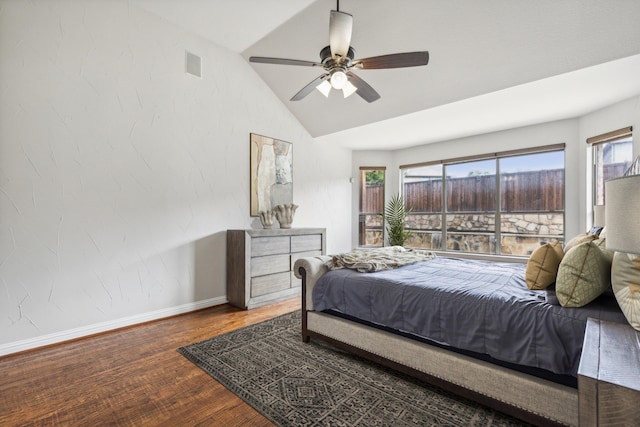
(338, 61)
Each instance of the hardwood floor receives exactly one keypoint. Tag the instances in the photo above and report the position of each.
(130, 377)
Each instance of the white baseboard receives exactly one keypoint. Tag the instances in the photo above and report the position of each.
(58, 337)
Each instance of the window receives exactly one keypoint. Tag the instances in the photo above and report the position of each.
(531, 201)
(504, 203)
(370, 226)
(422, 192)
(612, 156)
(471, 206)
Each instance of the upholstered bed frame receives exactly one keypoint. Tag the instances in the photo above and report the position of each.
(524, 396)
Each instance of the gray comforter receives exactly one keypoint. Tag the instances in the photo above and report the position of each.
(479, 306)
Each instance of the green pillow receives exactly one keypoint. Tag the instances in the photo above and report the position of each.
(584, 274)
(580, 238)
(602, 244)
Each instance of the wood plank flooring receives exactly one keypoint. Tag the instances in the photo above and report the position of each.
(130, 377)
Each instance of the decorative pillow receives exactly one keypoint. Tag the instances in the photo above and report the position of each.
(543, 264)
(580, 238)
(625, 279)
(602, 244)
(584, 274)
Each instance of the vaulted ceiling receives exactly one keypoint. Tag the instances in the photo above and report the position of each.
(494, 64)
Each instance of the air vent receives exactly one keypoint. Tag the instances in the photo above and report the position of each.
(193, 64)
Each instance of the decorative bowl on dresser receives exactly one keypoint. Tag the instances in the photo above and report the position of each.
(260, 263)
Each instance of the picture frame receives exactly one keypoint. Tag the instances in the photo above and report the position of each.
(271, 164)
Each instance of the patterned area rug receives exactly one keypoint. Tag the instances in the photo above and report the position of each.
(298, 384)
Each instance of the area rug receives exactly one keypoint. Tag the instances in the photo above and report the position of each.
(297, 384)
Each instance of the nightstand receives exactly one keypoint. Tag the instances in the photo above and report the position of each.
(609, 375)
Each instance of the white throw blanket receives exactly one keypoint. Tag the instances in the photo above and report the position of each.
(371, 260)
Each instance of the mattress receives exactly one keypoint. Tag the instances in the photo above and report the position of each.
(476, 306)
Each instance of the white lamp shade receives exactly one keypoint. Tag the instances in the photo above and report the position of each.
(324, 88)
(623, 214)
(348, 89)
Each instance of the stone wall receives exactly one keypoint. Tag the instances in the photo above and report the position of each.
(521, 233)
(539, 224)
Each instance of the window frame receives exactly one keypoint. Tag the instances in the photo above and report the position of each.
(596, 142)
(497, 233)
(362, 227)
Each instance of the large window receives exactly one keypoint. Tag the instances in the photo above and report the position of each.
(505, 203)
(370, 229)
(612, 156)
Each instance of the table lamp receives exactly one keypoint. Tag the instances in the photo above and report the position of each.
(623, 236)
(622, 213)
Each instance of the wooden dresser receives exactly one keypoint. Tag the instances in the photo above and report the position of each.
(609, 375)
(260, 263)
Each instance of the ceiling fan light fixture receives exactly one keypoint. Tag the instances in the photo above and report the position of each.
(338, 79)
(348, 89)
(340, 26)
(338, 62)
(324, 88)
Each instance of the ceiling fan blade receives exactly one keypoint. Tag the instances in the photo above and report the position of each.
(340, 26)
(394, 60)
(283, 61)
(365, 91)
(309, 88)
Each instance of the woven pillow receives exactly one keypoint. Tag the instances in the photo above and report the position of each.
(542, 266)
(583, 275)
(580, 238)
(602, 244)
(625, 279)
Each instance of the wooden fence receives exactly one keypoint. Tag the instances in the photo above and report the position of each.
(372, 201)
(521, 191)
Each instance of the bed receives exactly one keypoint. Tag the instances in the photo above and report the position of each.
(471, 327)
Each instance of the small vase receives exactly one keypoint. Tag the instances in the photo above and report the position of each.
(267, 218)
(284, 214)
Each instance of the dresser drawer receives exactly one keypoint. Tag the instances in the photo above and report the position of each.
(271, 283)
(263, 265)
(270, 245)
(310, 242)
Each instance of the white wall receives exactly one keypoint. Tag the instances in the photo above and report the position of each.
(572, 132)
(119, 173)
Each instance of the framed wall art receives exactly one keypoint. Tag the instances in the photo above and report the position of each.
(271, 173)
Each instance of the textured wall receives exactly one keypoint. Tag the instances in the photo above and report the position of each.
(119, 173)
